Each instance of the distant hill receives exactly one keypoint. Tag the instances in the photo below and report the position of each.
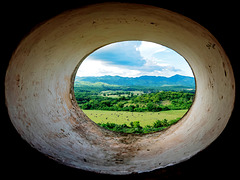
(145, 81)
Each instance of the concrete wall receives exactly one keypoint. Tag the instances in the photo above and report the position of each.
(40, 98)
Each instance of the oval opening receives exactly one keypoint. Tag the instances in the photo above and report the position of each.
(134, 87)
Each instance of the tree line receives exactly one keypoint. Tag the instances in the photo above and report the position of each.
(136, 128)
(151, 102)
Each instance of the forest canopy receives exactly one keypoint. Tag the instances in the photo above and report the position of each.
(129, 101)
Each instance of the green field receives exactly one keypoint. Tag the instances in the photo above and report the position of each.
(121, 117)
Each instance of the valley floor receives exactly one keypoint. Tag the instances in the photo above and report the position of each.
(121, 117)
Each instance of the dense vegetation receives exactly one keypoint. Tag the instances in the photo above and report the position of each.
(127, 101)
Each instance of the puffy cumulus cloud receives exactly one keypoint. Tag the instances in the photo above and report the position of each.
(148, 49)
(157, 59)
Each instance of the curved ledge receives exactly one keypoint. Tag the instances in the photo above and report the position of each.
(42, 107)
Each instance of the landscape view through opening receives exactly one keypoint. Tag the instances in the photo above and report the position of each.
(134, 87)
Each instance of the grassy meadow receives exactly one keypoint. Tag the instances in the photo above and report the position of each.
(126, 117)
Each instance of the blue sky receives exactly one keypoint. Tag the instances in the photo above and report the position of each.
(134, 59)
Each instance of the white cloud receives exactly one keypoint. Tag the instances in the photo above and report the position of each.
(92, 67)
(169, 64)
(159, 67)
(148, 49)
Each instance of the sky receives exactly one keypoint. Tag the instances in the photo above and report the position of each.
(134, 59)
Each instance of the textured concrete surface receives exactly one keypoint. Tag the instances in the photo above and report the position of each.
(40, 98)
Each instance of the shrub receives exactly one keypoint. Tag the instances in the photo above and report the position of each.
(157, 124)
(161, 123)
(135, 124)
(136, 128)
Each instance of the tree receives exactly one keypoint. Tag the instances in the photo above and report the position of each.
(161, 123)
(131, 108)
(153, 107)
(86, 106)
(120, 104)
(150, 106)
(105, 103)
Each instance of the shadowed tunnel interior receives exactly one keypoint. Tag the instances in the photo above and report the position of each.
(41, 104)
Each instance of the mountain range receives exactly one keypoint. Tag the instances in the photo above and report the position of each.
(149, 81)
